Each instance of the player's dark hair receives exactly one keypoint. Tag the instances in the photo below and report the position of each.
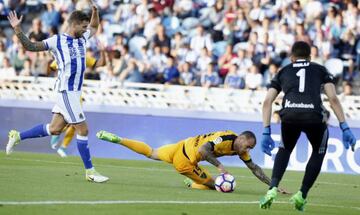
(78, 16)
(301, 49)
(248, 135)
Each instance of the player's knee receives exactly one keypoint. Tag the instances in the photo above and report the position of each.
(54, 130)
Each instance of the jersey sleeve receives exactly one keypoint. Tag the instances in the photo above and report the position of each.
(86, 35)
(90, 62)
(328, 77)
(51, 42)
(275, 82)
(245, 157)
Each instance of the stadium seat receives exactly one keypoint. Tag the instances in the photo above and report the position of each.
(171, 24)
(188, 24)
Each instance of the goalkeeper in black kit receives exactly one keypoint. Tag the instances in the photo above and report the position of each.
(302, 111)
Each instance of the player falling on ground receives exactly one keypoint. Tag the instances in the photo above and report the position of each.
(302, 111)
(69, 130)
(186, 154)
(69, 51)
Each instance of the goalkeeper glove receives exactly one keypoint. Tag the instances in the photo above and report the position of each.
(267, 143)
(348, 137)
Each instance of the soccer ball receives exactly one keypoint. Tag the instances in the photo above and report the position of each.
(225, 183)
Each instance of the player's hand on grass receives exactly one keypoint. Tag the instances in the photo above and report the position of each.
(283, 191)
(348, 137)
(14, 20)
(267, 143)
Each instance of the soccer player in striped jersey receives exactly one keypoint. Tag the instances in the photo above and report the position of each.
(69, 51)
(70, 130)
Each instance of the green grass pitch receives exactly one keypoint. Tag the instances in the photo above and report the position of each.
(46, 184)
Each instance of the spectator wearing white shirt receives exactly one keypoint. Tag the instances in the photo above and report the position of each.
(201, 40)
(187, 77)
(7, 70)
(203, 60)
(150, 24)
(253, 79)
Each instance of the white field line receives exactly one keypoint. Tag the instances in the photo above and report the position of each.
(155, 169)
(114, 202)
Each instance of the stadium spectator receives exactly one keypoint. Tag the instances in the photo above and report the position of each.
(201, 40)
(233, 79)
(225, 60)
(315, 57)
(19, 59)
(160, 39)
(264, 29)
(41, 64)
(28, 68)
(171, 73)
(51, 17)
(187, 77)
(2, 52)
(210, 77)
(36, 32)
(203, 60)
(3, 10)
(253, 79)
(7, 70)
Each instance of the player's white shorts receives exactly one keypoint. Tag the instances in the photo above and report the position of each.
(69, 106)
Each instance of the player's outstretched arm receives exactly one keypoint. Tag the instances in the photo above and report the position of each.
(15, 23)
(348, 137)
(95, 19)
(207, 154)
(267, 143)
(260, 174)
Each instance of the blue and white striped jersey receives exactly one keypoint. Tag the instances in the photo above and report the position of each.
(70, 54)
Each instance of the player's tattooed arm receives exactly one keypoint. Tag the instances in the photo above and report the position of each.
(28, 44)
(207, 154)
(258, 172)
(15, 23)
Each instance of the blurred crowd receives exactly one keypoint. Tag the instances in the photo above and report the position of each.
(211, 43)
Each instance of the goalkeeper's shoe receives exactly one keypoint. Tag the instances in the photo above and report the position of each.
(93, 176)
(107, 136)
(267, 200)
(14, 139)
(298, 201)
(188, 182)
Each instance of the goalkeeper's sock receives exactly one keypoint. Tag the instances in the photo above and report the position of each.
(137, 146)
(280, 164)
(189, 183)
(35, 132)
(69, 134)
(134, 145)
(312, 171)
(82, 144)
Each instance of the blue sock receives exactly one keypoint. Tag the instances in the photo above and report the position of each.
(82, 144)
(35, 132)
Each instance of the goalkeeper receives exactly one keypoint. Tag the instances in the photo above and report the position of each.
(302, 111)
(186, 154)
